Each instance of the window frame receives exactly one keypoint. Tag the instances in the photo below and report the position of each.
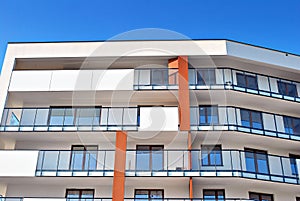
(85, 149)
(289, 123)
(293, 162)
(283, 88)
(216, 191)
(150, 154)
(149, 193)
(246, 78)
(80, 193)
(250, 116)
(211, 148)
(255, 153)
(260, 195)
(212, 108)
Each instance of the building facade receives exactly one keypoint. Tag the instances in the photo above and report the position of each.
(140, 120)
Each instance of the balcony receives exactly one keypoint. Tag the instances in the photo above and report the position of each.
(90, 119)
(171, 163)
(222, 118)
(69, 119)
(221, 78)
(243, 81)
(110, 199)
(155, 79)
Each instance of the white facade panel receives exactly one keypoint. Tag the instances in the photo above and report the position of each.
(113, 79)
(18, 163)
(263, 83)
(268, 122)
(30, 81)
(279, 123)
(158, 119)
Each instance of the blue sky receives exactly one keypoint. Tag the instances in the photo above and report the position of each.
(270, 23)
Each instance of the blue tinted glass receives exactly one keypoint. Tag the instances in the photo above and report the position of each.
(204, 158)
(143, 160)
(241, 80)
(250, 162)
(262, 163)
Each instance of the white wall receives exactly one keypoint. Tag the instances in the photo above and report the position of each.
(18, 163)
(70, 80)
(158, 119)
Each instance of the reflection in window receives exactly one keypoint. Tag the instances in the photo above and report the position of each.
(261, 197)
(211, 155)
(159, 77)
(80, 194)
(256, 161)
(149, 157)
(213, 195)
(292, 125)
(206, 77)
(293, 162)
(208, 115)
(246, 81)
(251, 119)
(84, 157)
(287, 89)
(146, 195)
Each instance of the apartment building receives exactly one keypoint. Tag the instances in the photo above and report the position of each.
(143, 120)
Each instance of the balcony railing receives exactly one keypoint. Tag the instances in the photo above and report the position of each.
(223, 118)
(155, 78)
(238, 80)
(110, 199)
(219, 78)
(69, 119)
(173, 163)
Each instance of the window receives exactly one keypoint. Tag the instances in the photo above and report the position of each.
(213, 194)
(206, 77)
(149, 157)
(84, 157)
(145, 194)
(211, 155)
(246, 81)
(293, 161)
(297, 198)
(292, 125)
(260, 196)
(159, 77)
(287, 89)
(208, 115)
(257, 161)
(251, 119)
(80, 194)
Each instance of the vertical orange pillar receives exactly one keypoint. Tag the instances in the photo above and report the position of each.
(181, 63)
(120, 165)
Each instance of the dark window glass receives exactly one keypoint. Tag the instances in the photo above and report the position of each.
(208, 115)
(213, 194)
(297, 198)
(149, 157)
(261, 197)
(256, 161)
(155, 194)
(246, 81)
(206, 77)
(287, 89)
(80, 194)
(251, 119)
(84, 157)
(159, 77)
(293, 161)
(211, 155)
(292, 125)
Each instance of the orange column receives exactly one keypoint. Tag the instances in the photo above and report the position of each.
(181, 63)
(120, 165)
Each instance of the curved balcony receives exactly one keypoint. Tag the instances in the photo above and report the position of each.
(172, 163)
(226, 118)
(219, 78)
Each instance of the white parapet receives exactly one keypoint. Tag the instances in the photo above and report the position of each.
(158, 119)
(18, 163)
